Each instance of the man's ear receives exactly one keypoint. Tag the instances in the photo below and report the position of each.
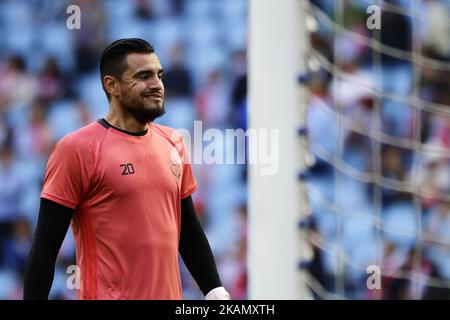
(111, 85)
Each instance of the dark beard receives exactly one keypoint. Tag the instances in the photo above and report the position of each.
(144, 116)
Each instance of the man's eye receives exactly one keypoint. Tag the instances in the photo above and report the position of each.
(160, 76)
(145, 76)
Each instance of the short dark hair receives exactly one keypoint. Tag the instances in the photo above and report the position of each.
(112, 60)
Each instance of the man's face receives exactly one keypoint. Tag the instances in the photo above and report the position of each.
(141, 87)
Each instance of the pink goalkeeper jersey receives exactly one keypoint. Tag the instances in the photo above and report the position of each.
(126, 190)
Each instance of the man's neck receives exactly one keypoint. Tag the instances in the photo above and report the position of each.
(121, 119)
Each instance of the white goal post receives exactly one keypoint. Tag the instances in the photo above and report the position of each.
(277, 202)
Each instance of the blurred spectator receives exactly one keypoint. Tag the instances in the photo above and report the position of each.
(434, 173)
(211, 101)
(36, 138)
(17, 87)
(403, 287)
(239, 285)
(394, 168)
(400, 39)
(239, 91)
(18, 246)
(316, 265)
(177, 78)
(435, 35)
(90, 39)
(50, 81)
(10, 192)
(144, 9)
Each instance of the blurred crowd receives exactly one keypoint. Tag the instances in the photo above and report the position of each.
(381, 119)
(50, 86)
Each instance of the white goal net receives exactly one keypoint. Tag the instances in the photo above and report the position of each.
(378, 97)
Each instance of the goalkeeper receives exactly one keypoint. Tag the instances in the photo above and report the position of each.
(125, 184)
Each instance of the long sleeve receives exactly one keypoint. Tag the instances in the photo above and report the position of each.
(53, 223)
(195, 249)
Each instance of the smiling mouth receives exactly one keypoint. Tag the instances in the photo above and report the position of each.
(153, 96)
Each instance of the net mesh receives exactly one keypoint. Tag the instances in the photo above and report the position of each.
(379, 136)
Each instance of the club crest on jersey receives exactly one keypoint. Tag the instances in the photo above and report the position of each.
(175, 167)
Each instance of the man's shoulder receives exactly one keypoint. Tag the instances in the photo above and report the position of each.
(171, 134)
(84, 137)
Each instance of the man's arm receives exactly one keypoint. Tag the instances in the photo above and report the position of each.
(53, 223)
(196, 252)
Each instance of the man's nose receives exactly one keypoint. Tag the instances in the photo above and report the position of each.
(155, 83)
